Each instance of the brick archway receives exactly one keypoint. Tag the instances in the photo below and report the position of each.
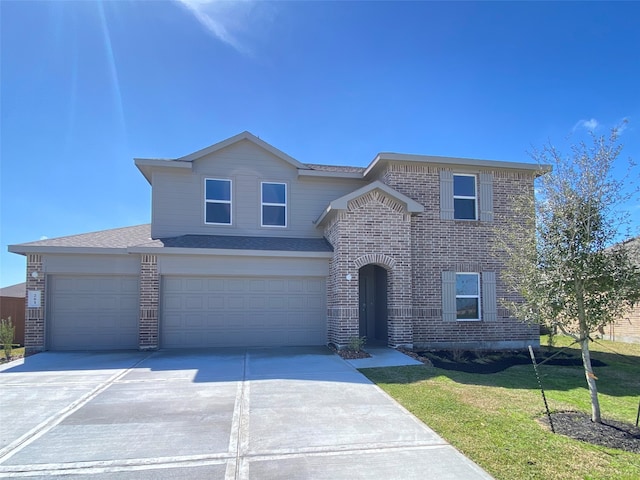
(377, 259)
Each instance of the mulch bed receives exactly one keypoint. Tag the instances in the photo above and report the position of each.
(487, 362)
(349, 354)
(609, 433)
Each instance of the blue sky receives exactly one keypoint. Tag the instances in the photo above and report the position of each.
(88, 86)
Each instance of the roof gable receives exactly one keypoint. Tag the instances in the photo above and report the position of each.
(342, 203)
(238, 138)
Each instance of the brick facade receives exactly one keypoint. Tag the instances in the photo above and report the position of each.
(149, 298)
(625, 329)
(34, 331)
(374, 229)
(415, 250)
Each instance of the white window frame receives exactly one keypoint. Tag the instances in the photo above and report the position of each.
(226, 202)
(478, 297)
(269, 204)
(466, 197)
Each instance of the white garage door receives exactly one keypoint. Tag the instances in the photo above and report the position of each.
(93, 312)
(243, 311)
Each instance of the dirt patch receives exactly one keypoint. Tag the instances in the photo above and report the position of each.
(14, 356)
(349, 354)
(609, 433)
(487, 362)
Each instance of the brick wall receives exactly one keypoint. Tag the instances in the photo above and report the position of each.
(149, 291)
(374, 229)
(449, 245)
(626, 329)
(34, 331)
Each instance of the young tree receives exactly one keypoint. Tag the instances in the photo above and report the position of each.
(571, 275)
(7, 333)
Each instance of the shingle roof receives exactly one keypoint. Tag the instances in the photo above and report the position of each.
(286, 244)
(140, 235)
(114, 238)
(18, 291)
(334, 168)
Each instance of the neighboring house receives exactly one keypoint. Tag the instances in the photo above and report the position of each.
(12, 304)
(249, 247)
(627, 328)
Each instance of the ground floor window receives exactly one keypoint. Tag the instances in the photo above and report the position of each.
(467, 296)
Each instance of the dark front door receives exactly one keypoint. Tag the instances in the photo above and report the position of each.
(373, 304)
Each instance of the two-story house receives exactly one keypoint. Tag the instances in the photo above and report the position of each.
(248, 246)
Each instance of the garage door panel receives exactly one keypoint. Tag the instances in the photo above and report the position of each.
(276, 286)
(257, 286)
(93, 312)
(236, 303)
(235, 285)
(215, 285)
(243, 311)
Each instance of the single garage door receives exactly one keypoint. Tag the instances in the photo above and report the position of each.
(243, 311)
(93, 312)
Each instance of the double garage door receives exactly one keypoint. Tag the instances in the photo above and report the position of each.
(93, 312)
(101, 312)
(242, 311)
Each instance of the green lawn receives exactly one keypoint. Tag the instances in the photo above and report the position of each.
(493, 418)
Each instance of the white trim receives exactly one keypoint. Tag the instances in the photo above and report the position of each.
(268, 204)
(466, 197)
(329, 173)
(237, 138)
(437, 160)
(478, 296)
(227, 252)
(229, 202)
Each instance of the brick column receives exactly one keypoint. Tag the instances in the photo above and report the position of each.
(149, 289)
(34, 331)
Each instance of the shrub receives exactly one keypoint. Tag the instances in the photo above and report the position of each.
(356, 344)
(7, 332)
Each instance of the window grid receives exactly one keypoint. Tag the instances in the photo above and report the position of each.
(474, 198)
(475, 296)
(282, 205)
(217, 201)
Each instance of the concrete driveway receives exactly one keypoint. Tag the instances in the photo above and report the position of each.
(216, 414)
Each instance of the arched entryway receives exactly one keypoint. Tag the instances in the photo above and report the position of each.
(372, 284)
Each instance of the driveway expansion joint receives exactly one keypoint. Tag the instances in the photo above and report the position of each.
(55, 419)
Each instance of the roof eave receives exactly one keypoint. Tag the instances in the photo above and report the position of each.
(328, 174)
(539, 169)
(27, 249)
(147, 165)
(228, 252)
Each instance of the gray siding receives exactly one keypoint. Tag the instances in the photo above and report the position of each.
(178, 198)
(126, 264)
(237, 265)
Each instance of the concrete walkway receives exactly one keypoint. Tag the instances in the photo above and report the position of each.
(294, 413)
(383, 357)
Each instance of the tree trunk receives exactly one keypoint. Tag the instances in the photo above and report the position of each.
(586, 356)
(591, 381)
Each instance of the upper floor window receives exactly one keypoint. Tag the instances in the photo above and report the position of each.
(274, 204)
(464, 197)
(467, 296)
(217, 201)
